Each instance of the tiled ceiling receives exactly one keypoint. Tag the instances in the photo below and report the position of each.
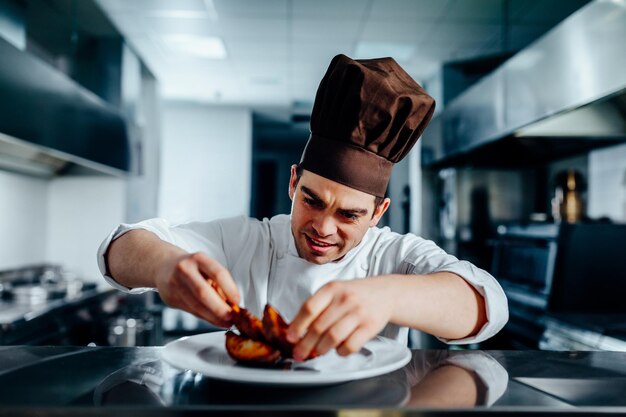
(278, 50)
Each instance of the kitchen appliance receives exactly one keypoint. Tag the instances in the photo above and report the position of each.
(590, 270)
(46, 304)
(574, 272)
(50, 124)
(564, 94)
(523, 263)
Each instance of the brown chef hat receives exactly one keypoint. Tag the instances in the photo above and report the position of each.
(367, 116)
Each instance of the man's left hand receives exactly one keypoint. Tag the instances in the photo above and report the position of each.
(343, 315)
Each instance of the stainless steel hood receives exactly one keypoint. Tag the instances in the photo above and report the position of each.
(563, 95)
(50, 125)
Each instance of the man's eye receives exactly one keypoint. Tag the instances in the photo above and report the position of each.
(350, 216)
(310, 202)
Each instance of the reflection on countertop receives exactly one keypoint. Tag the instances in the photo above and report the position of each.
(37, 379)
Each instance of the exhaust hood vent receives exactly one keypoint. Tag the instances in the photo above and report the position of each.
(49, 125)
(563, 95)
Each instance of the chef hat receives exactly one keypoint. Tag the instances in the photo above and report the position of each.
(367, 116)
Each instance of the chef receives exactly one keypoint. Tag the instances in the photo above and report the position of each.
(326, 267)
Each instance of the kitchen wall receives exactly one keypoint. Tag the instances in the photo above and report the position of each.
(82, 211)
(206, 155)
(23, 211)
(607, 183)
(60, 220)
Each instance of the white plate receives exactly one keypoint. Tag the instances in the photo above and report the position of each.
(206, 354)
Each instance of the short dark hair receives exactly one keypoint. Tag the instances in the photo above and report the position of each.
(377, 200)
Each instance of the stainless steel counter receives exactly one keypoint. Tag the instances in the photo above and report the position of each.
(134, 381)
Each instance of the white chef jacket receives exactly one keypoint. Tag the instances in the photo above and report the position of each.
(264, 263)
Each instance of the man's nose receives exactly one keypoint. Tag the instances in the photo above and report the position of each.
(324, 226)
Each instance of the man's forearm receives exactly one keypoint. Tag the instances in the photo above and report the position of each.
(442, 304)
(136, 258)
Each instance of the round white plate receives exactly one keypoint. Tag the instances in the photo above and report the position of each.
(206, 354)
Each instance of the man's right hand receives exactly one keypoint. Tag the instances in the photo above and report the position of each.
(140, 259)
(186, 286)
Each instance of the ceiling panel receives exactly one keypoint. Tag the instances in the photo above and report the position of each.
(280, 49)
(253, 29)
(350, 9)
(313, 69)
(152, 5)
(306, 52)
(245, 50)
(168, 25)
(402, 29)
(250, 8)
(324, 29)
(262, 69)
(419, 9)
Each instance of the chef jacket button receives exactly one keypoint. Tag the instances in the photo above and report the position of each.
(280, 255)
(365, 267)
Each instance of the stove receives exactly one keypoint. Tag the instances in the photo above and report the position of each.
(44, 304)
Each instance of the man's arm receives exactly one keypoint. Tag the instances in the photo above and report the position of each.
(139, 258)
(442, 304)
(136, 258)
(346, 314)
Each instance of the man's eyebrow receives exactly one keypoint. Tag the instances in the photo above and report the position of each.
(354, 211)
(311, 194)
(349, 211)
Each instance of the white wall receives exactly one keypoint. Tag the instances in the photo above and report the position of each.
(82, 212)
(60, 220)
(23, 207)
(206, 155)
(607, 183)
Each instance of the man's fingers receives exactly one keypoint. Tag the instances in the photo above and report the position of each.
(309, 311)
(192, 305)
(202, 292)
(218, 273)
(337, 333)
(317, 333)
(355, 341)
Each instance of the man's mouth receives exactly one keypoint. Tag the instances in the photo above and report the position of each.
(318, 245)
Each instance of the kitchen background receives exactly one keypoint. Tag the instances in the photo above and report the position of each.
(195, 109)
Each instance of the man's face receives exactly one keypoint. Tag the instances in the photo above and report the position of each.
(327, 218)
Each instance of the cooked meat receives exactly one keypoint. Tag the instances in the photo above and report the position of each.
(247, 350)
(259, 341)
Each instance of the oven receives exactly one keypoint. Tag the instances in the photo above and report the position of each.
(574, 273)
(524, 257)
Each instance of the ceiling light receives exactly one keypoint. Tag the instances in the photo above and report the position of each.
(401, 52)
(210, 47)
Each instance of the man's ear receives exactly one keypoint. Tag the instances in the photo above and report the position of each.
(292, 181)
(379, 211)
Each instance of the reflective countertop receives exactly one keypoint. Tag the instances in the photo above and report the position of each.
(135, 381)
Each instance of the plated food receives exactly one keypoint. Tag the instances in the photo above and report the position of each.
(260, 341)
